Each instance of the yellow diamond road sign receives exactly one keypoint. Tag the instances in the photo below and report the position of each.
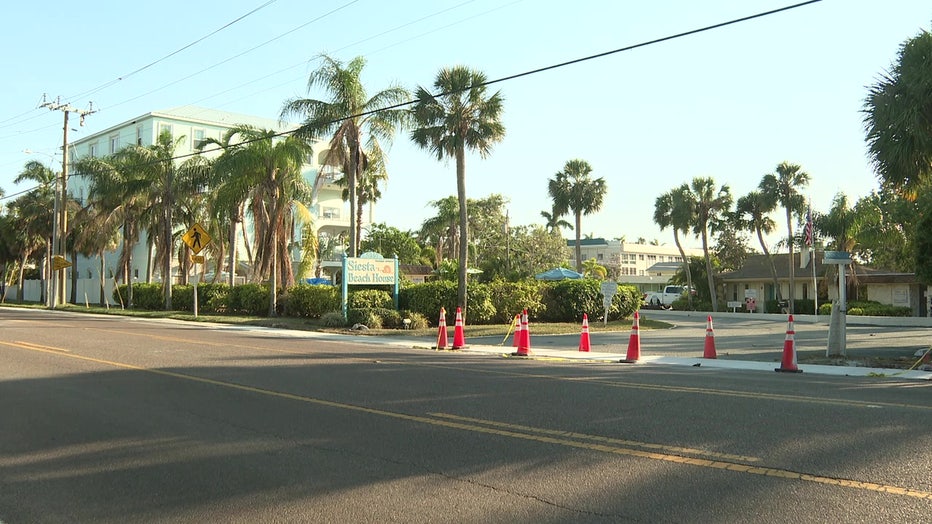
(196, 238)
(60, 262)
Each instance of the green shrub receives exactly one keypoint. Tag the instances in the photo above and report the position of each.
(370, 298)
(333, 319)
(183, 297)
(390, 319)
(511, 298)
(427, 299)
(567, 300)
(418, 321)
(145, 296)
(367, 317)
(213, 297)
(250, 299)
(869, 308)
(311, 301)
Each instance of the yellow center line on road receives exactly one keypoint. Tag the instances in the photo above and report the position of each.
(755, 395)
(30, 345)
(599, 438)
(541, 437)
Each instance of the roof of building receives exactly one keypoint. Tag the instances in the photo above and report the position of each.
(201, 115)
(415, 269)
(756, 267)
(587, 242)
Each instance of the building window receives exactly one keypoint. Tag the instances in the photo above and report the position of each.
(139, 135)
(165, 128)
(92, 150)
(114, 144)
(331, 213)
(198, 139)
(640, 257)
(599, 256)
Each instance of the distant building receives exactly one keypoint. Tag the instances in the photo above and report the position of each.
(196, 124)
(646, 266)
(887, 287)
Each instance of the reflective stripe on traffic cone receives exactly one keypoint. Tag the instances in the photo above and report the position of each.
(442, 330)
(459, 337)
(584, 337)
(709, 350)
(634, 342)
(789, 350)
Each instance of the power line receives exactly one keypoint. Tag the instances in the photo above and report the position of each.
(143, 68)
(237, 55)
(523, 74)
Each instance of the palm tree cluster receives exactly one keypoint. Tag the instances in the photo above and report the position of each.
(257, 178)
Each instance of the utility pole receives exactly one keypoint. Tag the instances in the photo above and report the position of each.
(59, 247)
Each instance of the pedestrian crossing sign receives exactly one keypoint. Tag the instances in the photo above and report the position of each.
(196, 238)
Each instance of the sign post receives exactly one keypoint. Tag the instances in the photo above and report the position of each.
(196, 239)
(837, 325)
(608, 289)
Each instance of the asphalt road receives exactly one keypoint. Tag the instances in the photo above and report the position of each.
(107, 419)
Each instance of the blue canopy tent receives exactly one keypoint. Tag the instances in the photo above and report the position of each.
(558, 273)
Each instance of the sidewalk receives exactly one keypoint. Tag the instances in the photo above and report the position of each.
(597, 357)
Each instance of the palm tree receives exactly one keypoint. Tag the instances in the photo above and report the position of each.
(897, 120)
(442, 229)
(461, 116)
(783, 187)
(356, 123)
(573, 190)
(553, 222)
(367, 187)
(709, 204)
(165, 186)
(31, 220)
(675, 209)
(30, 208)
(96, 233)
(109, 189)
(592, 269)
(230, 187)
(752, 211)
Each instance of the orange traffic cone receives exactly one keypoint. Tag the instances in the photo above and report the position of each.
(524, 341)
(442, 330)
(789, 350)
(584, 337)
(517, 334)
(634, 342)
(709, 351)
(459, 338)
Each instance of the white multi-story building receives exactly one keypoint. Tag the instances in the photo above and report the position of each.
(645, 265)
(196, 124)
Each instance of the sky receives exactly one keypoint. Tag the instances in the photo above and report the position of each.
(730, 103)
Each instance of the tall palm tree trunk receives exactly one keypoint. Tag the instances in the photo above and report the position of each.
(708, 268)
(578, 242)
(231, 279)
(773, 268)
(464, 226)
(792, 294)
(689, 273)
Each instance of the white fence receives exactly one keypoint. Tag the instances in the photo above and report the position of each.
(88, 291)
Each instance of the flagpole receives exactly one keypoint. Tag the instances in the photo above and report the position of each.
(810, 239)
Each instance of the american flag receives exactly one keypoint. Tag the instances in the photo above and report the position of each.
(809, 231)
